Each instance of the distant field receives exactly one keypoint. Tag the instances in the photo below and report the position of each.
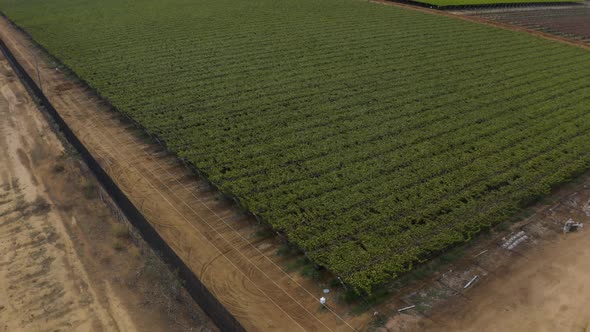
(572, 22)
(443, 3)
(372, 136)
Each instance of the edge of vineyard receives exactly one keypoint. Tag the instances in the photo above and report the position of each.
(199, 292)
(236, 200)
(153, 137)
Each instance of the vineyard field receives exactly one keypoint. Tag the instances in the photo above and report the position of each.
(374, 137)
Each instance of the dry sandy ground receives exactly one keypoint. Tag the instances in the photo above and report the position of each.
(549, 291)
(62, 265)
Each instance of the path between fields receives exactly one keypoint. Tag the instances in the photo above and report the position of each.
(58, 268)
(485, 21)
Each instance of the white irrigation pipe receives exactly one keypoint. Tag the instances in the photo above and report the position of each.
(407, 308)
(470, 282)
(481, 253)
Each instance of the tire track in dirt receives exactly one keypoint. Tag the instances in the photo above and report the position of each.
(23, 232)
(37, 292)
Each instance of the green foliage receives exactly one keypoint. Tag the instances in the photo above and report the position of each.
(311, 272)
(377, 297)
(285, 250)
(372, 136)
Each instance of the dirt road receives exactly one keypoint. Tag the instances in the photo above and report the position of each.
(62, 267)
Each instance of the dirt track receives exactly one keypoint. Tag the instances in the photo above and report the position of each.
(39, 254)
(59, 270)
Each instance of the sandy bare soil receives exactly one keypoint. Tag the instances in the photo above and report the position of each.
(546, 292)
(63, 266)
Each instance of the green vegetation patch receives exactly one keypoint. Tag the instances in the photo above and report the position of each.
(374, 137)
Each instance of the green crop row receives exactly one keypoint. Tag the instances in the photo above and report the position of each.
(373, 137)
